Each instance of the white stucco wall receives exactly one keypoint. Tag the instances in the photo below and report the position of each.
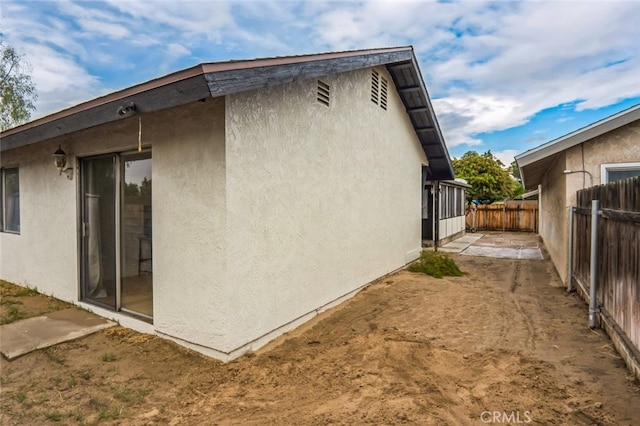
(322, 200)
(43, 255)
(189, 225)
(189, 230)
(558, 191)
(302, 205)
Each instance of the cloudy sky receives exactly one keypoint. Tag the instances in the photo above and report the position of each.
(505, 76)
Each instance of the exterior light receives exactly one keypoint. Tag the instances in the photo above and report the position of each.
(60, 160)
(127, 109)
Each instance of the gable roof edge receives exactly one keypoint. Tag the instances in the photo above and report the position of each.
(583, 134)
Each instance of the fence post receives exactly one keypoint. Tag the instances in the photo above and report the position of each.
(593, 306)
(570, 256)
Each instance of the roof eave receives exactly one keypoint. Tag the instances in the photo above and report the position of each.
(547, 151)
(219, 79)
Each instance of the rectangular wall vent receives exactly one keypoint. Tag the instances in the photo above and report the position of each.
(375, 87)
(322, 94)
(379, 89)
(383, 93)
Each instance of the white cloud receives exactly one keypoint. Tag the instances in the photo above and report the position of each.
(462, 117)
(176, 49)
(506, 156)
(60, 81)
(488, 65)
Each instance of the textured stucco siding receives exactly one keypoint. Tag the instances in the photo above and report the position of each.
(189, 230)
(189, 224)
(43, 255)
(559, 190)
(322, 200)
(554, 214)
(267, 206)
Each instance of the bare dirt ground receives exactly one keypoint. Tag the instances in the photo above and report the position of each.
(503, 344)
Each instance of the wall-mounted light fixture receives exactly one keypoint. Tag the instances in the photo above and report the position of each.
(127, 109)
(60, 160)
(568, 171)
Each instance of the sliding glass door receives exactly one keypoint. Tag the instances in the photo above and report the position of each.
(99, 230)
(116, 248)
(135, 231)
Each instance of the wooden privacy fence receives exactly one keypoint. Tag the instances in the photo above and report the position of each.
(618, 254)
(510, 216)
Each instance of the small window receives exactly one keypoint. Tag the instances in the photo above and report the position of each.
(322, 94)
(10, 195)
(616, 171)
(379, 89)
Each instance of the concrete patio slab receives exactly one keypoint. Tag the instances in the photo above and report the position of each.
(460, 244)
(504, 252)
(24, 336)
(504, 245)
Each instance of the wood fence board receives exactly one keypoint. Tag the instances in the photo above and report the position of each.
(618, 250)
(511, 216)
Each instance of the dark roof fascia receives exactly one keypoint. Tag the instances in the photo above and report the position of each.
(175, 89)
(545, 154)
(440, 165)
(222, 78)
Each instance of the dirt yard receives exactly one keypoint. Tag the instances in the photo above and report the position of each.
(502, 344)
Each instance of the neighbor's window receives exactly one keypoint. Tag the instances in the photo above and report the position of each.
(617, 171)
(10, 207)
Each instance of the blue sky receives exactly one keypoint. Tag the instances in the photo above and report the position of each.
(505, 76)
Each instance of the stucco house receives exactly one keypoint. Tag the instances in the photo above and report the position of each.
(222, 205)
(599, 153)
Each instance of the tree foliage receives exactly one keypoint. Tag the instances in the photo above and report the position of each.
(17, 91)
(490, 180)
(515, 173)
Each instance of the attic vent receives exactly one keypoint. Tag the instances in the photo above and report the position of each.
(379, 89)
(322, 95)
(375, 87)
(383, 93)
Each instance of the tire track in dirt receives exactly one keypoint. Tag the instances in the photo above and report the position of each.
(530, 342)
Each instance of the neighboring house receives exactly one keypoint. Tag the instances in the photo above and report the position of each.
(222, 205)
(602, 152)
(443, 217)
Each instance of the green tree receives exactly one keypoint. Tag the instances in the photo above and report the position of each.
(17, 90)
(490, 180)
(515, 173)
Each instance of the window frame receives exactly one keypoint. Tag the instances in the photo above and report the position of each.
(3, 200)
(605, 168)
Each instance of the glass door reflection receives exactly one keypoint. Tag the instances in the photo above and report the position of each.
(136, 295)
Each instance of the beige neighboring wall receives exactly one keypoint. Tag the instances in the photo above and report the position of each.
(558, 191)
(322, 200)
(554, 214)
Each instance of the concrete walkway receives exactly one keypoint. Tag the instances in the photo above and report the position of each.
(24, 336)
(504, 245)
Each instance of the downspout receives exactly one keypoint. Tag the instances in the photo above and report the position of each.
(570, 255)
(593, 306)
